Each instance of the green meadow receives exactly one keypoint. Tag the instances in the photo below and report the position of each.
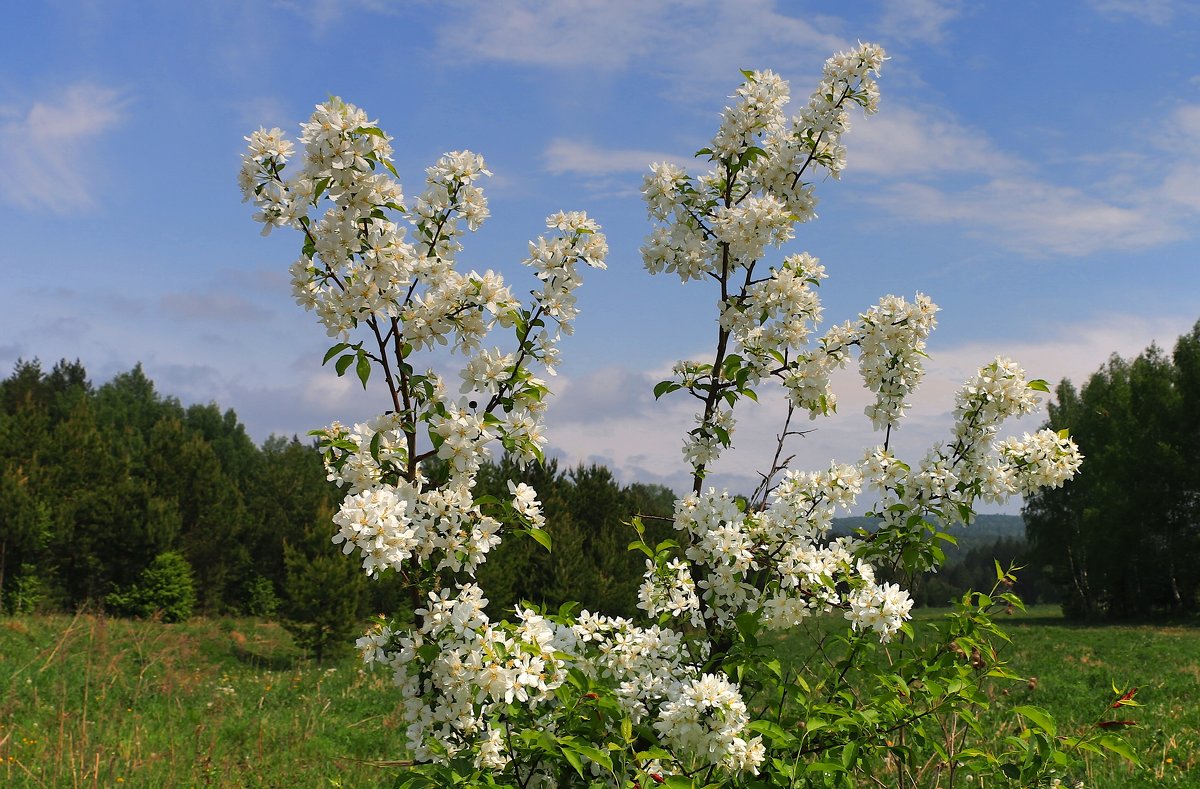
(89, 701)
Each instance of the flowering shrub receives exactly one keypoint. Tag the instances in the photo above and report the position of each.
(693, 694)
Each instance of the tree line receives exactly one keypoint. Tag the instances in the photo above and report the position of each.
(1123, 538)
(120, 497)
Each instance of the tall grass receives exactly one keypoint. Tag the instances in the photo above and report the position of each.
(94, 702)
(90, 702)
(1070, 670)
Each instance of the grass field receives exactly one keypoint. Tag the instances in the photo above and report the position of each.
(89, 702)
(1075, 667)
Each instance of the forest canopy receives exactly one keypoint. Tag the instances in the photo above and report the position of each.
(98, 482)
(1122, 539)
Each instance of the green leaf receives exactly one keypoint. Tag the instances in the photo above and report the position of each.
(850, 754)
(678, 782)
(825, 767)
(1039, 385)
(541, 537)
(574, 759)
(1118, 746)
(343, 364)
(375, 442)
(363, 368)
(664, 387)
(334, 351)
(596, 755)
(640, 545)
(1040, 717)
(772, 731)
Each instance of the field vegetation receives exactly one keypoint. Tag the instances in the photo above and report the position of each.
(94, 701)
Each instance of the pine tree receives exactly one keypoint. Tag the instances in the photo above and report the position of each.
(324, 592)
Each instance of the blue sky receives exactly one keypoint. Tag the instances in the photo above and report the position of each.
(1034, 167)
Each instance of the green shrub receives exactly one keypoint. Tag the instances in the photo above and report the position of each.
(324, 599)
(262, 600)
(25, 592)
(165, 587)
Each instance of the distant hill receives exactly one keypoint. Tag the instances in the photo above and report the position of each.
(982, 533)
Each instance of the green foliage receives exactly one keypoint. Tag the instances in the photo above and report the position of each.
(218, 702)
(262, 600)
(1123, 539)
(232, 701)
(25, 591)
(165, 589)
(588, 514)
(95, 483)
(325, 593)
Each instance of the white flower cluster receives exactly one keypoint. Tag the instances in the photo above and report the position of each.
(358, 266)
(974, 464)
(720, 224)
(460, 670)
(890, 338)
(1044, 459)
(891, 344)
(755, 194)
(704, 721)
(391, 524)
(879, 608)
(780, 560)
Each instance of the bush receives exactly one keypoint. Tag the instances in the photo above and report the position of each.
(262, 598)
(165, 588)
(26, 593)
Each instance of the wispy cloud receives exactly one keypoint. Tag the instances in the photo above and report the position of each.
(929, 167)
(688, 40)
(583, 158)
(610, 415)
(1032, 217)
(904, 141)
(323, 13)
(918, 20)
(45, 148)
(1155, 12)
(216, 307)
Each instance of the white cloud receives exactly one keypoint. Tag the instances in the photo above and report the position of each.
(574, 156)
(611, 414)
(918, 20)
(928, 167)
(1155, 12)
(688, 40)
(904, 141)
(1032, 217)
(322, 14)
(44, 150)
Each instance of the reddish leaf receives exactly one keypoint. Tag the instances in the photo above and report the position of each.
(1124, 698)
